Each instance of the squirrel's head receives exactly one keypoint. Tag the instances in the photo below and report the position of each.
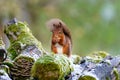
(56, 27)
(55, 24)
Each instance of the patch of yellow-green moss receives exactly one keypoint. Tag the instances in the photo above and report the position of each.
(15, 30)
(20, 36)
(51, 67)
(75, 59)
(8, 63)
(100, 54)
(21, 43)
(4, 72)
(5, 68)
(87, 78)
(116, 74)
(97, 56)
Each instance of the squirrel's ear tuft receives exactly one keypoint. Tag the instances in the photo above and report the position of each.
(52, 23)
(60, 24)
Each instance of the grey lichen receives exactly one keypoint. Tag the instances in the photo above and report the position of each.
(88, 69)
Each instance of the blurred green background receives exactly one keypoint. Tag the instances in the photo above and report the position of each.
(94, 24)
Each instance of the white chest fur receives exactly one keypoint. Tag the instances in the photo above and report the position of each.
(59, 48)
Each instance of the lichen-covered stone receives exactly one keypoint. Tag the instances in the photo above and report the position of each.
(115, 63)
(105, 68)
(100, 72)
(20, 38)
(51, 67)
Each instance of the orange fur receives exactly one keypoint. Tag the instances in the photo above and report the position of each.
(61, 36)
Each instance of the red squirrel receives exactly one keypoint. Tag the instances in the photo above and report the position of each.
(61, 42)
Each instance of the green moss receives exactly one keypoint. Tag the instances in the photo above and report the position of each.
(5, 68)
(87, 78)
(97, 56)
(29, 39)
(116, 73)
(20, 44)
(8, 63)
(108, 78)
(20, 37)
(16, 30)
(100, 54)
(75, 59)
(14, 50)
(51, 67)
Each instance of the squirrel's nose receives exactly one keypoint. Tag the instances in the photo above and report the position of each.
(57, 37)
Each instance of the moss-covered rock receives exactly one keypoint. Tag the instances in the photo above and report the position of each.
(20, 37)
(51, 67)
(14, 29)
(105, 68)
(29, 63)
(100, 71)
